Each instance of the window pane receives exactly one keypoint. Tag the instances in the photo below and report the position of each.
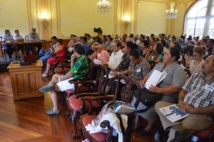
(202, 12)
(212, 11)
(190, 27)
(193, 11)
(211, 28)
(199, 29)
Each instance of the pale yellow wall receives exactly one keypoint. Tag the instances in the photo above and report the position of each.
(13, 15)
(80, 16)
(151, 17)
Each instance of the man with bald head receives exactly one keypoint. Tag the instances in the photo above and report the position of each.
(195, 98)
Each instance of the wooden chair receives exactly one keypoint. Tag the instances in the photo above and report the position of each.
(97, 87)
(127, 96)
(92, 75)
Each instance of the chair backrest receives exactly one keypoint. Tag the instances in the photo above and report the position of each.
(93, 70)
(126, 92)
(102, 79)
(126, 88)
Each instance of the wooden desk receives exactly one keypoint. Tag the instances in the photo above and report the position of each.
(26, 80)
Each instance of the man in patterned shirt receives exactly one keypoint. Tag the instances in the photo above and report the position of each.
(195, 98)
(59, 82)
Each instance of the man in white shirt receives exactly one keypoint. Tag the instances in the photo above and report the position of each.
(116, 55)
(18, 38)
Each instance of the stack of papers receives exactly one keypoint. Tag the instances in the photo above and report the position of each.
(173, 113)
(155, 78)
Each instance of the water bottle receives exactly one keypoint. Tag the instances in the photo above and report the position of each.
(195, 138)
(157, 137)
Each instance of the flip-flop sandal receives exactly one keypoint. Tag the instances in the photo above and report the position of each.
(51, 112)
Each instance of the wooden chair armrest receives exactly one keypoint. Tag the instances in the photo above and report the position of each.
(89, 94)
(107, 98)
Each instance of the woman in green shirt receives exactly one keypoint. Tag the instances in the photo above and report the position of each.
(59, 82)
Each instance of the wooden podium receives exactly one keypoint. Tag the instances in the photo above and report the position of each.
(26, 80)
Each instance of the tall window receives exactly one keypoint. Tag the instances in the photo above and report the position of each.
(199, 20)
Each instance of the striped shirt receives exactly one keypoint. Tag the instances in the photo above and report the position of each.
(200, 93)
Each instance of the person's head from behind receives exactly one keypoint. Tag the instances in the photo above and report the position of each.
(79, 50)
(198, 53)
(116, 45)
(84, 40)
(59, 41)
(158, 48)
(163, 42)
(171, 55)
(33, 30)
(142, 37)
(54, 39)
(208, 66)
(189, 50)
(135, 56)
(145, 44)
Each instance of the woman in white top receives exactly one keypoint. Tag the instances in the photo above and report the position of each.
(196, 64)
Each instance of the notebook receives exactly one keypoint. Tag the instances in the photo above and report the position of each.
(155, 78)
(173, 113)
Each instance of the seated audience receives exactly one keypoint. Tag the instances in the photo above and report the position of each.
(44, 55)
(138, 67)
(85, 45)
(195, 98)
(116, 55)
(196, 64)
(6, 38)
(18, 38)
(60, 56)
(59, 82)
(168, 88)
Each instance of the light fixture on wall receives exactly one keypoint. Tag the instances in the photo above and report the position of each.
(44, 19)
(126, 19)
(103, 6)
(171, 13)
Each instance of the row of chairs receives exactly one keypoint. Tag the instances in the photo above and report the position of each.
(89, 97)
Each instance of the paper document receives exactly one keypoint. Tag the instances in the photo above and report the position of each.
(124, 109)
(173, 113)
(98, 62)
(155, 78)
